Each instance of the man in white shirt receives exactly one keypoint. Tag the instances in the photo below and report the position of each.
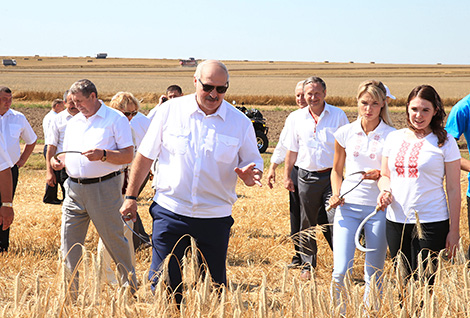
(54, 142)
(172, 91)
(50, 195)
(310, 145)
(103, 139)
(277, 158)
(13, 126)
(202, 143)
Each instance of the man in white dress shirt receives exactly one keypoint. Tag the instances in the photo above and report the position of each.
(55, 143)
(277, 158)
(13, 126)
(310, 143)
(202, 143)
(50, 195)
(103, 138)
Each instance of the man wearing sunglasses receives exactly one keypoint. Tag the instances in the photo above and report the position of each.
(202, 143)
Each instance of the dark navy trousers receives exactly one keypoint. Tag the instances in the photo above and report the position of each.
(171, 235)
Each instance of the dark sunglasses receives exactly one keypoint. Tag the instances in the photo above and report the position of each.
(127, 114)
(209, 88)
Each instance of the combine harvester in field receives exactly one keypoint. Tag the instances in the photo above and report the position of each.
(191, 62)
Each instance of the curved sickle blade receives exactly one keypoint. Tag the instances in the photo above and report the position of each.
(359, 229)
(328, 208)
(56, 156)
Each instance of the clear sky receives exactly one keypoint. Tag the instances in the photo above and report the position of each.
(397, 31)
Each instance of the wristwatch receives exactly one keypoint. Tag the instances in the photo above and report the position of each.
(104, 156)
(7, 204)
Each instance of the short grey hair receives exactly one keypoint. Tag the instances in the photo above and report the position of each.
(315, 80)
(201, 65)
(84, 86)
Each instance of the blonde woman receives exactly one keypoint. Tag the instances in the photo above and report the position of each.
(358, 147)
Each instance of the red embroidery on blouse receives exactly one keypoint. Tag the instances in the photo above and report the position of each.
(413, 165)
(400, 159)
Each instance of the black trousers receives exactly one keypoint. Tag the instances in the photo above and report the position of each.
(314, 194)
(404, 238)
(5, 235)
(294, 211)
(50, 194)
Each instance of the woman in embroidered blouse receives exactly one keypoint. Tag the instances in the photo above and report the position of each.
(415, 161)
(358, 147)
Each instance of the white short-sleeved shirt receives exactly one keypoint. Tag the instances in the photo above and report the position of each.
(14, 126)
(279, 153)
(55, 136)
(46, 123)
(363, 153)
(107, 129)
(139, 124)
(417, 169)
(314, 142)
(152, 112)
(197, 156)
(5, 162)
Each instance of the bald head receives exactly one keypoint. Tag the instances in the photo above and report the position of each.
(299, 95)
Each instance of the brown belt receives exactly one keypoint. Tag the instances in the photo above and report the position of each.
(96, 180)
(324, 170)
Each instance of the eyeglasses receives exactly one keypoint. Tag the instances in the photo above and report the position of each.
(209, 88)
(132, 114)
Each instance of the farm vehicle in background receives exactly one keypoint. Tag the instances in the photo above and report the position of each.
(259, 124)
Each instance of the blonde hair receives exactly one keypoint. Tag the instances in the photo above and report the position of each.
(122, 99)
(378, 92)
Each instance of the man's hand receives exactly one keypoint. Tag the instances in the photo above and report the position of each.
(6, 217)
(250, 175)
(50, 178)
(94, 154)
(129, 210)
(57, 164)
(162, 99)
(271, 176)
(289, 184)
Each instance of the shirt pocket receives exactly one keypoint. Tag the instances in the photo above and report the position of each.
(176, 141)
(326, 135)
(226, 148)
(15, 131)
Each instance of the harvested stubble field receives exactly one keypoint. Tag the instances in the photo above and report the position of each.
(260, 285)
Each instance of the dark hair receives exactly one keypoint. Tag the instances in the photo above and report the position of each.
(428, 93)
(174, 88)
(4, 89)
(315, 80)
(86, 87)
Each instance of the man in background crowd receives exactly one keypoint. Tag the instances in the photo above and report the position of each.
(50, 195)
(277, 158)
(172, 91)
(310, 145)
(13, 126)
(55, 143)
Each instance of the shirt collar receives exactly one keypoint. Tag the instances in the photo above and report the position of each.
(377, 131)
(325, 112)
(100, 113)
(221, 111)
(7, 113)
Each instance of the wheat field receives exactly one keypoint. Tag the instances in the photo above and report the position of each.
(34, 284)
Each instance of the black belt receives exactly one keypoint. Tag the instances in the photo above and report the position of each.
(96, 180)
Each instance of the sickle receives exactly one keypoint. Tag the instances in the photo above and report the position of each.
(359, 229)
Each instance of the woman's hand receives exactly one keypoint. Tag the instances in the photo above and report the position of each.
(384, 199)
(452, 243)
(335, 200)
(373, 174)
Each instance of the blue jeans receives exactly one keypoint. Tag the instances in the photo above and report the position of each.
(347, 220)
(171, 236)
